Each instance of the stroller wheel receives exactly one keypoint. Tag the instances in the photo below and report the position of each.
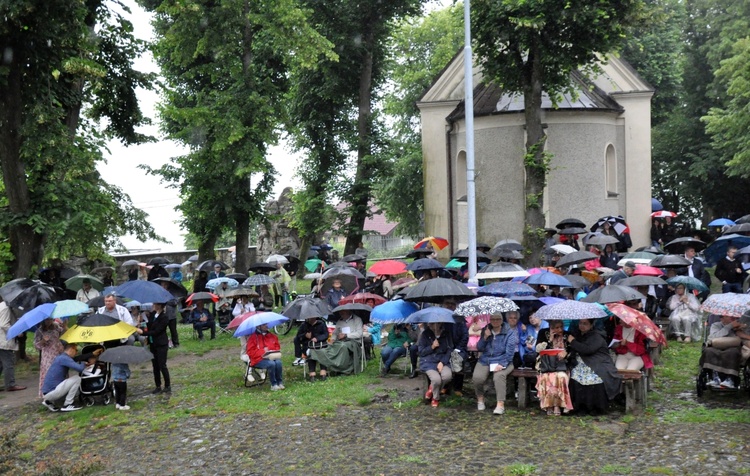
(701, 383)
(107, 399)
(89, 401)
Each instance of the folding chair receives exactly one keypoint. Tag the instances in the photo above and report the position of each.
(254, 377)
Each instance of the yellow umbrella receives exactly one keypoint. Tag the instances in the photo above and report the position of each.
(98, 328)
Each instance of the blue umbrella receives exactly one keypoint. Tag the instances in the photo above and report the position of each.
(393, 312)
(249, 325)
(718, 249)
(144, 291)
(722, 222)
(548, 300)
(570, 310)
(656, 205)
(214, 283)
(54, 310)
(506, 289)
(424, 264)
(431, 315)
(548, 279)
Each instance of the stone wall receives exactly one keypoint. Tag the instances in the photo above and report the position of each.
(277, 236)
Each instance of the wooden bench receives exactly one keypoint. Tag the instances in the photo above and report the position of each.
(634, 387)
(523, 388)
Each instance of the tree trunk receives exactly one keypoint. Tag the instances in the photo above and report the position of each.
(304, 247)
(534, 161)
(361, 190)
(207, 248)
(241, 242)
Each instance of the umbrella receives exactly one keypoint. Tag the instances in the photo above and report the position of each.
(641, 280)
(362, 310)
(98, 328)
(656, 205)
(126, 354)
(722, 222)
(678, 245)
(103, 269)
(54, 310)
(506, 244)
(744, 219)
(193, 258)
(506, 288)
(388, 267)
(216, 282)
(563, 249)
(424, 264)
(570, 222)
(418, 253)
(575, 258)
(261, 267)
(313, 275)
(645, 270)
(403, 283)
(13, 288)
(353, 258)
(645, 258)
(727, 304)
(601, 240)
(663, 214)
(690, 283)
(362, 298)
(434, 242)
(201, 296)
(741, 228)
(250, 324)
(617, 222)
(501, 270)
(175, 288)
(32, 297)
(242, 291)
(718, 249)
(144, 291)
(235, 323)
(570, 310)
(548, 279)
(274, 259)
(209, 264)
(463, 254)
(613, 293)
(639, 321)
(185, 263)
(431, 315)
(436, 289)
(393, 312)
(158, 260)
(130, 262)
(259, 280)
(669, 261)
(173, 266)
(651, 249)
(574, 230)
(348, 276)
(505, 254)
(239, 277)
(305, 308)
(313, 264)
(577, 281)
(485, 305)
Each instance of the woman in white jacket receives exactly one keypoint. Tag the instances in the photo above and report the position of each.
(684, 321)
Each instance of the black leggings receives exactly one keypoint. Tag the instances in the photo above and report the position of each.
(159, 364)
(121, 392)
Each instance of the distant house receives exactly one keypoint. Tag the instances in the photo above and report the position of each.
(379, 232)
(600, 139)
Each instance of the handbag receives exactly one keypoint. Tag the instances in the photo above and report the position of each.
(457, 362)
(272, 355)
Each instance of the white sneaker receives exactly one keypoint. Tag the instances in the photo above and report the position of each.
(715, 382)
(122, 407)
(274, 388)
(480, 406)
(262, 374)
(50, 406)
(70, 408)
(250, 378)
(281, 386)
(727, 383)
(297, 361)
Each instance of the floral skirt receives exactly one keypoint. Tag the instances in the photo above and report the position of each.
(552, 390)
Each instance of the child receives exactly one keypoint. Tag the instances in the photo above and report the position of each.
(91, 368)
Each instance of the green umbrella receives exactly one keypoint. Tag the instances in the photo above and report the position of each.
(455, 264)
(312, 264)
(76, 282)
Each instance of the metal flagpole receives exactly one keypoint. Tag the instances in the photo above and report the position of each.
(469, 108)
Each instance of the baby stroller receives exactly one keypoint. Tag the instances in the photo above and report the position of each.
(715, 357)
(99, 385)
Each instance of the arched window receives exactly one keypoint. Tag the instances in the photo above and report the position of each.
(610, 171)
(460, 175)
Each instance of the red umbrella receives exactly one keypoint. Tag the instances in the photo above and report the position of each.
(362, 298)
(434, 242)
(663, 214)
(201, 296)
(644, 270)
(235, 323)
(388, 266)
(639, 321)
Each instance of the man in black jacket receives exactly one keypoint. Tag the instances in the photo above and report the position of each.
(729, 272)
(312, 333)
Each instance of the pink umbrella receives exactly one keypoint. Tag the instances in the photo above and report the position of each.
(663, 214)
(235, 323)
(644, 270)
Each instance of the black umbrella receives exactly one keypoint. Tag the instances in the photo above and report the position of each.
(209, 264)
(436, 289)
(740, 229)
(745, 219)
(305, 308)
(574, 230)
(13, 288)
(571, 222)
(508, 254)
(464, 255)
(577, 281)
(678, 245)
(158, 260)
(239, 277)
(484, 247)
(126, 354)
(96, 320)
(634, 281)
(361, 310)
(261, 267)
(340, 264)
(669, 261)
(99, 301)
(576, 257)
(424, 264)
(416, 254)
(651, 249)
(175, 288)
(33, 296)
(613, 293)
(103, 269)
(130, 262)
(353, 258)
(507, 244)
(348, 276)
(501, 270)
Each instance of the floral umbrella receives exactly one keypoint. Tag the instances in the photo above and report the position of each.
(569, 309)
(727, 304)
(639, 321)
(485, 305)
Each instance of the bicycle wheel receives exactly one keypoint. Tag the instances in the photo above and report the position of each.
(284, 328)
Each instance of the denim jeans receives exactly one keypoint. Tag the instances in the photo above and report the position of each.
(274, 370)
(390, 354)
(731, 288)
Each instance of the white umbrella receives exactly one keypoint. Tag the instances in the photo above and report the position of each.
(563, 249)
(277, 259)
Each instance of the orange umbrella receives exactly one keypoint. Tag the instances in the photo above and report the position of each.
(434, 242)
(639, 321)
(388, 267)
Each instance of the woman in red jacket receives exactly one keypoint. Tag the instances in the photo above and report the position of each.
(264, 351)
(631, 350)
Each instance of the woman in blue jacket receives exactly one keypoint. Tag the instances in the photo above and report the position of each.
(497, 345)
(435, 347)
